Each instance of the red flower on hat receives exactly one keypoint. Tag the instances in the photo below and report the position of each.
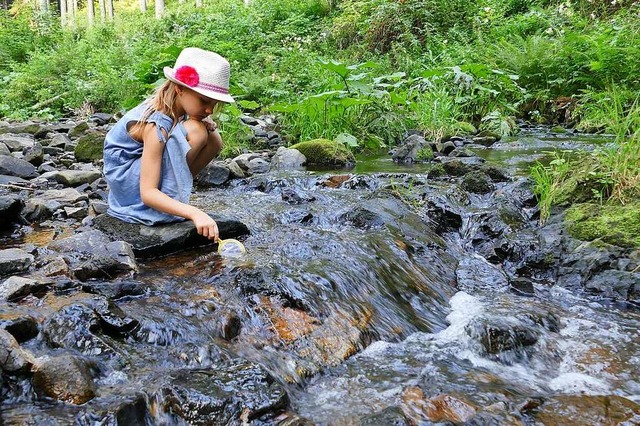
(187, 75)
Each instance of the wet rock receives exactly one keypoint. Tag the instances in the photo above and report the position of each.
(235, 392)
(413, 148)
(129, 410)
(485, 140)
(89, 147)
(477, 182)
(295, 216)
(22, 328)
(116, 290)
(74, 327)
(587, 410)
(390, 416)
(10, 207)
(12, 357)
(92, 254)
(612, 283)
(475, 273)
(227, 324)
(363, 218)
(214, 174)
(66, 378)
(456, 168)
(293, 196)
(15, 288)
(17, 167)
(498, 338)
(14, 261)
(440, 409)
(288, 159)
(149, 241)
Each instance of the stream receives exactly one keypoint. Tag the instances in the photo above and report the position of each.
(364, 270)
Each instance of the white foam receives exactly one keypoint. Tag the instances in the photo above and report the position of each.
(579, 383)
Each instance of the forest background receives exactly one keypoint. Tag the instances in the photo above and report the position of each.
(361, 72)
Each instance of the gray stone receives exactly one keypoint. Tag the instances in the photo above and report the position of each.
(14, 260)
(43, 206)
(16, 143)
(15, 288)
(288, 159)
(258, 165)
(77, 177)
(92, 254)
(33, 154)
(214, 174)
(475, 273)
(4, 150)
(235, 169)
(12, 357)
(12, 166)
(150, 241)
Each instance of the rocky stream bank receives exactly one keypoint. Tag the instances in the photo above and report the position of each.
(87, 334)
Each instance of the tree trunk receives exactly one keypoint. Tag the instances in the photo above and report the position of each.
(159, 9)
(143, 6)
(63, 13)
(71, 18)
(103, 10)
(44, 5)
(110, 10)
(91, 13)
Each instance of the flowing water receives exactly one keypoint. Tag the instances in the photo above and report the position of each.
(381, 288)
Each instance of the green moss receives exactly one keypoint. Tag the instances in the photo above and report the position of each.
(425, 154)
(323, 152)
(613, 224)
(89, 147)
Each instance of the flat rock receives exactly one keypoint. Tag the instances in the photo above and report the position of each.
(14, 261)
(158, 240)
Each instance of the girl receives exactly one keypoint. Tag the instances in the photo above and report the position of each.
(152, 154)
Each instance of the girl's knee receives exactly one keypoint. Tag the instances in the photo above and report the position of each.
(197, 134)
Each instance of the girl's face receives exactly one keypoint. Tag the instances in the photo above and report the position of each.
(195, 105)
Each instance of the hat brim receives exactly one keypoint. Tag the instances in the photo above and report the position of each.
(169, 74)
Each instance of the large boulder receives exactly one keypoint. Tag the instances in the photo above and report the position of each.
(151, 241)
(324, 152)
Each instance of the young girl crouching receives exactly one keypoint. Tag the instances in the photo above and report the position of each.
(153, 152)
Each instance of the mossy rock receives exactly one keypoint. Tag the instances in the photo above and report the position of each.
(613, 224)
(324, 152)
(89, 147)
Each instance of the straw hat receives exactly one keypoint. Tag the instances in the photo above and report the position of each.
(202, 71)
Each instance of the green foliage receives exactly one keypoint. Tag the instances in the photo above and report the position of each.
(357, 104)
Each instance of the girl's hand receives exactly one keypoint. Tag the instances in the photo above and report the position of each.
(205, 225)
(211, 125)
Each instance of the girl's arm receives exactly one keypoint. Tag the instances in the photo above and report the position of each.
(150, 174)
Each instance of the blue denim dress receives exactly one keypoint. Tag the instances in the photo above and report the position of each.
(122, 156)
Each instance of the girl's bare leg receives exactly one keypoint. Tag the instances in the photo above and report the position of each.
(205, 145)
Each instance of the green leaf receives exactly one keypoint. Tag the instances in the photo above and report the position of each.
(338, 67)
(248, 105)
(347, 139)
